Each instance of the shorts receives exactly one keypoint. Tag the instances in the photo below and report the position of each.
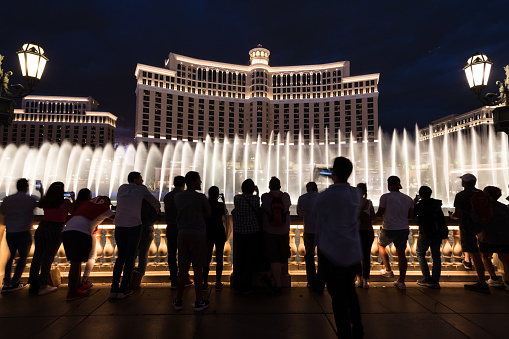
(192, 249)
(398, 237)
(276, 247)
(77, 245)
(468, 241)
(493, 248)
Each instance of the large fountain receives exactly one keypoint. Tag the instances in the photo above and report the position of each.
(436, 162)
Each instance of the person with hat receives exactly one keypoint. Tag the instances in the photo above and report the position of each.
(469, 229)
(395, 208)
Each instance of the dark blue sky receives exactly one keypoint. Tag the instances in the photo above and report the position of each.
(418, 48)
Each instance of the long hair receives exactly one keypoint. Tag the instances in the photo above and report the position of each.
(83, 195)
(54, 197)
(364, 189)
(213, 194)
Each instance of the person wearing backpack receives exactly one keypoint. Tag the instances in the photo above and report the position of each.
(276, 227)
(432, 229)
(470, 206)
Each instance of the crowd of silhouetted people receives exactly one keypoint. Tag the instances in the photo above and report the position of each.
(338, 229)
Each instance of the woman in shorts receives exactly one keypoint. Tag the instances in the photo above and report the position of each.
(77, 238)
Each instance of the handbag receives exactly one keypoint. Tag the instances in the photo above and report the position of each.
(55, 277)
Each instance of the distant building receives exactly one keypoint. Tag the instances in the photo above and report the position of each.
(478, 120)
(189, 99)
(57, 118)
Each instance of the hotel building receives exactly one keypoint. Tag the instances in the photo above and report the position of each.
(188, 99)
(57, 118)
(478, 120)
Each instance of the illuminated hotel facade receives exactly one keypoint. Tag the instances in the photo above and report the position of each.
(478, 120)
(189, 99)
(58, 118)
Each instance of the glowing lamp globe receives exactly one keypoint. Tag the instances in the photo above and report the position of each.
(477, 70)
(32, 60)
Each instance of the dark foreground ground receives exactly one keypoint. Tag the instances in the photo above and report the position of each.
(451, 312)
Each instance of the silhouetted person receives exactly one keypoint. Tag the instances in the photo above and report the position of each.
(339, 249)
(366, 216)
(469, 229)
(18, 211)
(192, 208)
(128, 231)
(246, 236)
(432, 231)
(306, 210)
(396, 208)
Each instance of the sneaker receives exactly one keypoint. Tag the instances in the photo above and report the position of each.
(177, 304)
(46, 290)
(128, 292)
(76, 295)
(204, 287)
(387, 274)
(365, 283)
(477, 287)
(200, 306)
(435, 286)
(399, 285)
(425, 282)
(467, 265)
(495, 283)
(189, 282)
(113, 293)
(86, 286)
(219, 286)
(18, 286)
(6, 289)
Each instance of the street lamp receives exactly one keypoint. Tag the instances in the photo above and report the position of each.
(32, 61)
(477, 71)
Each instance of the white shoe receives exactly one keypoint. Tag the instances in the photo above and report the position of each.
(399, 285)
(46, 289)
(365, 283)
(388, 274)
(359, 282)
(495, 283)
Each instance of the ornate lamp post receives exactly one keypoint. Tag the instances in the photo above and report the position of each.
(477, 71)
(32, 61)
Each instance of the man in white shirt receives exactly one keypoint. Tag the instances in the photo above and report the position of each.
(396, 208)
(128, 230)
(339, 248)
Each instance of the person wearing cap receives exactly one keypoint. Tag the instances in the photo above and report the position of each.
(469, 230)
(395, 208)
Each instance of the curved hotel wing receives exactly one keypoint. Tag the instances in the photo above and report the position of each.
(189, 99)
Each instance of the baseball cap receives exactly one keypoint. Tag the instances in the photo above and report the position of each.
(394, 180)
(468, 177)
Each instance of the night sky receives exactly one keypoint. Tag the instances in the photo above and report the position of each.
(419, 48)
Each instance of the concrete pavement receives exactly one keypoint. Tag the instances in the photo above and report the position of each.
(387, 312)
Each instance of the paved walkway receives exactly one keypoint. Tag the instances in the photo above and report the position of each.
(451, 312)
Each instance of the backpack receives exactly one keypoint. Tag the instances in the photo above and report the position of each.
(438, 229)
(432, 220)
(277, 214)
(480, 208)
